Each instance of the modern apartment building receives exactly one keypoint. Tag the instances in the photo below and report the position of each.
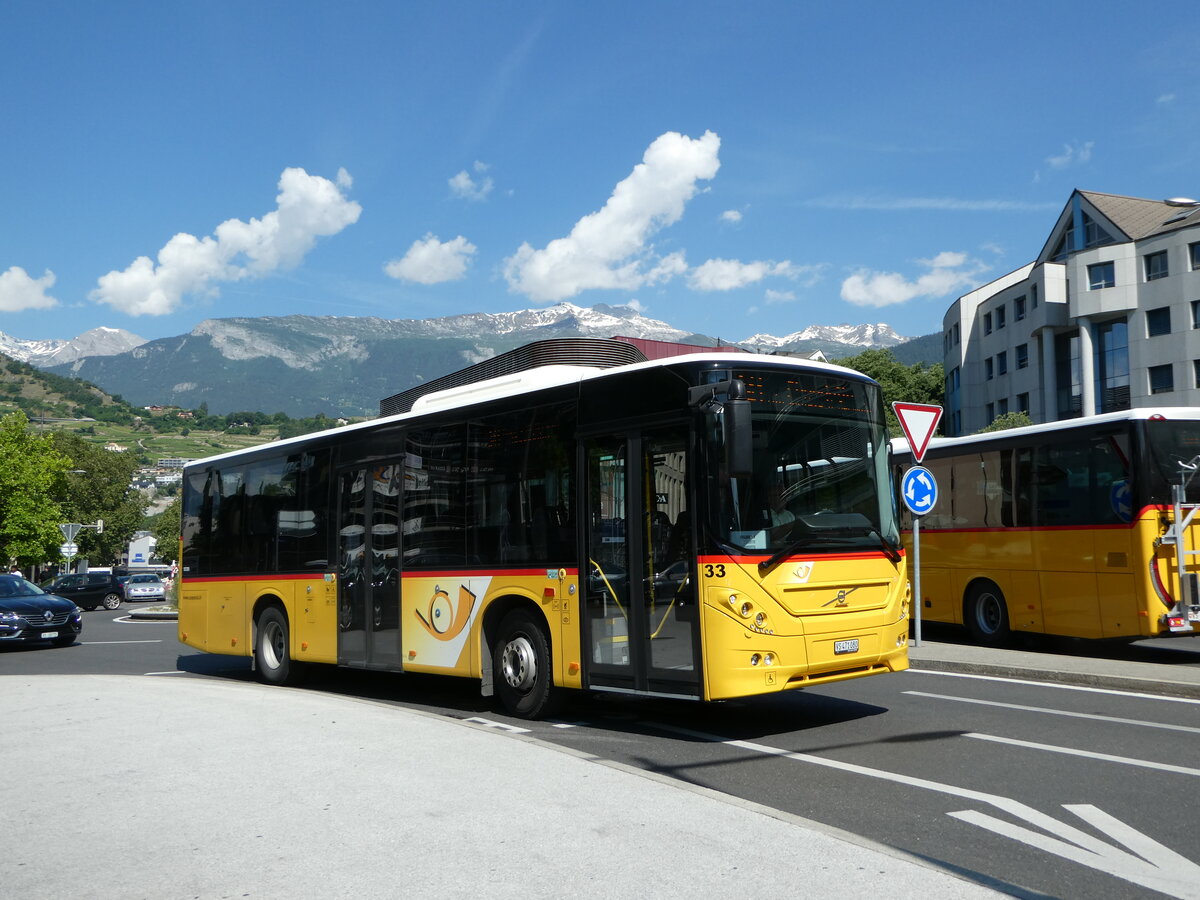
(1106, 318)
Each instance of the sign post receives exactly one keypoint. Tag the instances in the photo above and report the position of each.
(918, 487)
(69, 530)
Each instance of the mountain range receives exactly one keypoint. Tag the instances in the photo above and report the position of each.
(341, 365)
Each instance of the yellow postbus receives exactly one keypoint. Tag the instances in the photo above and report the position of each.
(704, 526)
(1078, 528)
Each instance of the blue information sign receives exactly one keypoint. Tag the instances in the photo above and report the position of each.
(919, 489)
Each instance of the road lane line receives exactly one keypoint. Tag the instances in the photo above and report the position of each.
(1058, 712)
(1151, 865)
(123, 642)
(1089, 754)
(173, 672)
(1062, 687)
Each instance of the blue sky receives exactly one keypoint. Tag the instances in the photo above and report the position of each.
(732, 169)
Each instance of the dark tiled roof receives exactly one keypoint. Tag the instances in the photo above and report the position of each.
(1140, 218)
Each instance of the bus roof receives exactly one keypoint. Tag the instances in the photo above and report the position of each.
(536, 380)
(1186, 413)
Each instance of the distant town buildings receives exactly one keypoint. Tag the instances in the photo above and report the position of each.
(1106, 318)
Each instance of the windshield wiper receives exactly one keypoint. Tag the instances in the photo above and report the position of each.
(892, 551)
(795, 547)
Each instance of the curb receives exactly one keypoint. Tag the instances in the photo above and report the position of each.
(1081, 679)
(158, 613)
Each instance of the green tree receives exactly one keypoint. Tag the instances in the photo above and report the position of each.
(165, 528)
(98, 487)
(32, 476)
(918, 383)
(1008, 420)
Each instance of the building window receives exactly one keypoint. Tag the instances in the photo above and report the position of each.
(1004, 406)
(1018, 309)
(957, 335)
(1000, 315)
(1162, 379)
(1112, 355)
(1194, 255)
(987, 323)
(1068, 376)
(1022, 356)
(1196, 313)
(1156, 265)
(987, 369)
(991, 413)
(1196, 372)
(1023, 403)
(1033, 296)
(1101, 275)
(1002, 363)
(1158, 321)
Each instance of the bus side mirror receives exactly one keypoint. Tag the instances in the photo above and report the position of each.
(739, 441)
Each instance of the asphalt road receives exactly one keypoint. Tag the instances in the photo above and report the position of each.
(1040, 789)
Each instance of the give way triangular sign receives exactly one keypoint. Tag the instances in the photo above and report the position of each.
(919, 421)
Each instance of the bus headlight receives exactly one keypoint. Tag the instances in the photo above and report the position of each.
(760, 620)
(746, 609)
(755, 659)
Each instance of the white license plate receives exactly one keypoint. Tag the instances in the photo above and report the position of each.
(46, 635)
(850, 646)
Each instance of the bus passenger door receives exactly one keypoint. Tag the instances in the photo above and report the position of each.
(368, 567)
(642, 622)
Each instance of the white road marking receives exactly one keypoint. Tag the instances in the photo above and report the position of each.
(1154, 866)
(121, 642)
(1057, 686)
(1088, 754)
(174, 672)
(500, 726)
(1059, 712)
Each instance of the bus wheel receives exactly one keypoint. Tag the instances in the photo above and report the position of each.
(524, 682)
(986, 614)
(272, 659)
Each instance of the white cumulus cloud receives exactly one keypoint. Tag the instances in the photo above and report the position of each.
(732, 216)
(948, 272)
(608, 248)
(429, 261)
(465, 187)
(727, 274)
(308, 207)
(18, 291)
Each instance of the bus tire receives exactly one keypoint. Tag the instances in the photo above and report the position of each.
(521, 660)
(985, 613)
(272, 657)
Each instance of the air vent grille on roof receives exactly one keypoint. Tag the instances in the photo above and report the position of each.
(596, 352)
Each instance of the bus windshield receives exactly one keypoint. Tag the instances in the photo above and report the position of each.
(820, 477)
(1170, 443)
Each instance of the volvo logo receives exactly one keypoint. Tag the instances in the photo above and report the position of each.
(840, 598)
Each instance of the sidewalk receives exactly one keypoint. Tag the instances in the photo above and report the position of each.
(1176, 680)
(185, 787)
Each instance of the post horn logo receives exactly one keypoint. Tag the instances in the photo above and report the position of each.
(445, 620)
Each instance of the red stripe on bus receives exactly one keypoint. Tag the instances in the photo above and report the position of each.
(799, 554)
(195, 578)
(483, 573)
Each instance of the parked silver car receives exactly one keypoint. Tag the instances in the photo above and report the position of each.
(144, 587)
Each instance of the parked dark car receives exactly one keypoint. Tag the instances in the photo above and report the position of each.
(90, 590)
(27, 613)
